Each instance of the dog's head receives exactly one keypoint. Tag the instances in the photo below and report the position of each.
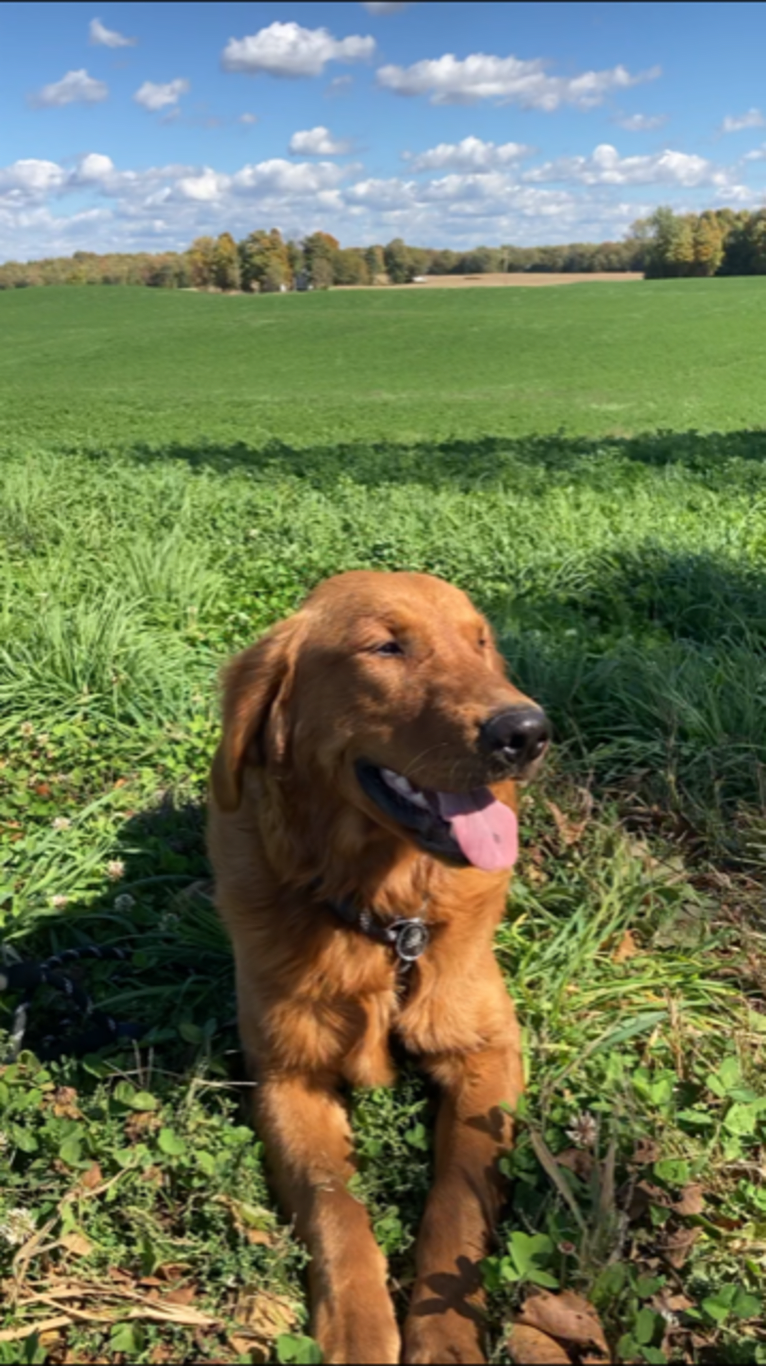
(386, 692)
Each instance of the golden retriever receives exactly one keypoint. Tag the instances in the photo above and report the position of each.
(363, 827)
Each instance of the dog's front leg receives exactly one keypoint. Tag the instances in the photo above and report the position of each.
(308, 1147)
(446, 1317)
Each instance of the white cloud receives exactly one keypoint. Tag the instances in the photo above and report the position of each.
(154, 97)
(165, 207)
(735, 123)
(29, 180)
(291, 50)
(248, 119)
(508, 80)
(607, 167)
(207, 187)
(278, 176)
(385, 6)
(320, 142)
(759, 154)
(470, 154)
(339, 85)
(641, 123)
(76, 87)
(107, 37)
(94, 168)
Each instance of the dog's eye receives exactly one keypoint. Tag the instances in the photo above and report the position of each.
(483, 642)
(387, 647)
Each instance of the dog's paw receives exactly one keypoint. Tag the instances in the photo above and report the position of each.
(364, 1336)
(442, 1338)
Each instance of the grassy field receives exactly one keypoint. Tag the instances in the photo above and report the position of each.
(175, 472)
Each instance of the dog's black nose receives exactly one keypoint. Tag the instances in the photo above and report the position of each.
(518, 735)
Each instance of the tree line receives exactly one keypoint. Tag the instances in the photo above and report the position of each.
(716, 242)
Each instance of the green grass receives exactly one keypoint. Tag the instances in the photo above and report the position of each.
(97, 364)
(168, 489)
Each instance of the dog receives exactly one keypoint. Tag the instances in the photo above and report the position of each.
(362, 830)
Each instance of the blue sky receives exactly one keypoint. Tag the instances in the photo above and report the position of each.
(139, 126)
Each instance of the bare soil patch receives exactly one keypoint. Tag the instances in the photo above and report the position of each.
(527, 279)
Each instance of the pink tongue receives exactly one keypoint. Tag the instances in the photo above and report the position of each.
(487, 831)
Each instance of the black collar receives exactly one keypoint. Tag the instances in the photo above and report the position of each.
(408, 938)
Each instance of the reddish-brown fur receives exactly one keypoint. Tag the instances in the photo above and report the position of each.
(317, 1000)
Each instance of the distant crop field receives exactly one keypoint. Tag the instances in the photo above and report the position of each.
(101, 364)
(176, 472)
(517, 278)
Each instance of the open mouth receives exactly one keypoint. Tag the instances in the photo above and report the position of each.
(461, 827)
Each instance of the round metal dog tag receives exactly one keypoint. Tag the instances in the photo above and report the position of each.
(410, 939)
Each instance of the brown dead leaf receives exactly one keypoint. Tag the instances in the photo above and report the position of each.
(172, 1271)
(141, 1122)
(185, 1294)
(627, 948)
(153, 1176)
(248, 1347)
(77, 1244)
(64, 1103)
(677, 1246)
(252, 1222)
(692, 1200)
(530, 1347)
(566, 1316)
(642, 1195)
(569, 831)
(577, 1160)
(91, 1178)
(646, 1151)
(265, 1316)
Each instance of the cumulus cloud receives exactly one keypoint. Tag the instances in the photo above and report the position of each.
(735, 123)
(320, 142)
(758, 154)
(508, 80)
(641, 123)
(76, 87)
(290, 50)
(340, 85)
(165, 207)
(155, 97)
(470, 154)
(29, 180)
(100, 36)
(385, 6)
(607, 167)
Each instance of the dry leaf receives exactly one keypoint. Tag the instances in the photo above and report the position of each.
(530, 1347)
(78, 1245)
(569, 831)
(627, 948)
(577, 1160)
(566, 1316)
(248, 1346)
(140, 1123)
(677, 1246)
(266, 1316)
(64, 1103)
(91, 1178)
(692, 1201)
(646, 1150)
(185, 1294)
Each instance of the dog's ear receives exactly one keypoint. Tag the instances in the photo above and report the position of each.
(256, 688)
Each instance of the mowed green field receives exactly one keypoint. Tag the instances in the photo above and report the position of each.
(112, 365)
(176, 471)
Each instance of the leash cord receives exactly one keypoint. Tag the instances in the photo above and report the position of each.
(26, 978)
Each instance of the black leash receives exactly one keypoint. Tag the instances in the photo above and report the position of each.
(27, 978)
